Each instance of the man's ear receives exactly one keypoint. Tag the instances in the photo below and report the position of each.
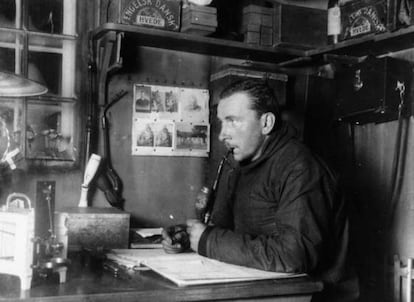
(268, 121)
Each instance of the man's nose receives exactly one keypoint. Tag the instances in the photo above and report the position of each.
(223, 133)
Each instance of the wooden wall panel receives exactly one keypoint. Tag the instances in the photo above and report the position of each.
(158, 190)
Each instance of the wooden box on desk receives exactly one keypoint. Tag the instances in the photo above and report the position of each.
(160, 14)
(298, 26)
(92, 228)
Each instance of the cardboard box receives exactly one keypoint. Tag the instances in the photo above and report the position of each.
(92, 228)
(297, 26)
(161, 14)
(257, 25)
(252, 34)
(266, 35)
(256, 15)
(200, 20)
(230, 73)
(363, 17)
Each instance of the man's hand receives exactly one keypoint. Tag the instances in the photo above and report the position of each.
(194, 229)
(175, 239)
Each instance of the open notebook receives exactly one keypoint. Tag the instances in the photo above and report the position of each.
(190, 268)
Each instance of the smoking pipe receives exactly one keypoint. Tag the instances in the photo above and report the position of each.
(212, 195)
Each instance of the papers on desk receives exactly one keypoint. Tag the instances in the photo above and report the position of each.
(134, 258)
(187, 269)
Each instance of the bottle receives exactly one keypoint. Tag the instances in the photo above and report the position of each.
(334, 21)
(202, 203)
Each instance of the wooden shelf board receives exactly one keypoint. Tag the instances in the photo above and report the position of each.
(199, 44)
(374, 44)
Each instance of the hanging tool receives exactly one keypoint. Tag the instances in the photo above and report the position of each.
(108, 180)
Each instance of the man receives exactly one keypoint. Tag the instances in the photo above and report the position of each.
(281, 209)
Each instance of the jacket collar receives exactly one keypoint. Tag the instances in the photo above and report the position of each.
(274, 143)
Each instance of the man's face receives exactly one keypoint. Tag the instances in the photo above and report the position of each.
(241, 128)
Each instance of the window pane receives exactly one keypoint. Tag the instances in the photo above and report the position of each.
(7, 13)
(46, 16)
(45, 68)
(37, 40)
(10, 126)
(7, 59)
(49, 131)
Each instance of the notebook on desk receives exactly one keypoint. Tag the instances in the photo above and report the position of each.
(187, 269)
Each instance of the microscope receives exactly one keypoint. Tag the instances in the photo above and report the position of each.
(49, 252)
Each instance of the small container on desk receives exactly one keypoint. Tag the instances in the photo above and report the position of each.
(92, 228)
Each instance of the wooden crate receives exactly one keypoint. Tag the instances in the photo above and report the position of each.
(363, 17)
(161, 14)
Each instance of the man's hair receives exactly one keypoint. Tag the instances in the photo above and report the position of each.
(261, 94)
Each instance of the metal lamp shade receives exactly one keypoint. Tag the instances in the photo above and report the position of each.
(12, 85)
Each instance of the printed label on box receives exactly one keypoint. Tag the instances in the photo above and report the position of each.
(153, 13)
(358, 21)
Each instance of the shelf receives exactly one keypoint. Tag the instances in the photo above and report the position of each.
(199, 44)
(375, 44)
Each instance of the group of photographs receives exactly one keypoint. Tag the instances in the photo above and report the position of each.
(170, 121)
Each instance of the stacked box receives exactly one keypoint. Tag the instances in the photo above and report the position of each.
(363, 17)
(257, 25)
(161, 14)
(199, 20)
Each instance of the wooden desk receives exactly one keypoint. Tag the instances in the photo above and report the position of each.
(87, 284)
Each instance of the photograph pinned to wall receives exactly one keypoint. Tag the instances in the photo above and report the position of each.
(194, 104)
(164, 101)
(142, 96)
(143, 133)
(163, 135)
(152, 137)
(156, 112)
(192, 138)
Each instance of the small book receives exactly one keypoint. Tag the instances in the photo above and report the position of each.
(146, 238)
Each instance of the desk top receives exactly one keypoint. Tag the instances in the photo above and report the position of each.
(90, 283)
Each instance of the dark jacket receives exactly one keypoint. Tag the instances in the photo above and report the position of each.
(283, 212)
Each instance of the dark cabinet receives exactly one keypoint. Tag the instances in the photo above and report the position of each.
(373, 90)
